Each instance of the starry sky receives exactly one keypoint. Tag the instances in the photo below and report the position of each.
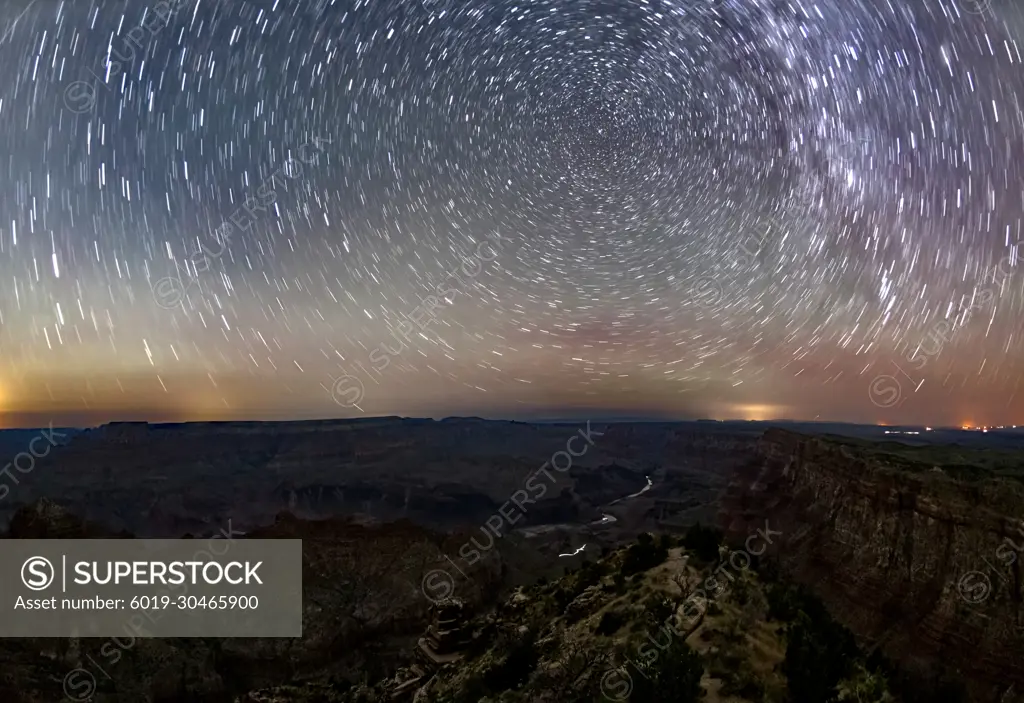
(511, 208)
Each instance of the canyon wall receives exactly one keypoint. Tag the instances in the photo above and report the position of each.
(919, 565)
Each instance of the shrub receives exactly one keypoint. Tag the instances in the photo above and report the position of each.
(742, 681)
(741, 590)
(783, 602)
(563, 597)
(703, 541)
(659, 608)
(733, 632)
(473, 690)
(611, 622)
(589, 575)
(819, 655)
(513, 671)
(574, 615)
(671, 675)
(931, 683)
(643, 555)
(822, 659)
(864, 687)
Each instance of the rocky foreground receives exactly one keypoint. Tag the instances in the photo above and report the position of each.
(363, 607)
(663, 619)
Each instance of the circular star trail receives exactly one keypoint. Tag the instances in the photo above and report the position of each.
(714, 208)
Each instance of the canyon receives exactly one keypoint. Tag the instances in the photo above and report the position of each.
(917, 551)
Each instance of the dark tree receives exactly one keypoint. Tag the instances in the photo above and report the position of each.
(703, 541)
(672, 676)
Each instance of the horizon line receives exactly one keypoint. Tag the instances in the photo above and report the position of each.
(610, 420)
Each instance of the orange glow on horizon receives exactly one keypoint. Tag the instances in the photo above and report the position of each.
(759, 412)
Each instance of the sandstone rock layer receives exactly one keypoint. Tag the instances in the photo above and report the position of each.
(923, 566)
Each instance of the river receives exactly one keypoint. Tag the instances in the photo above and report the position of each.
(607, 519)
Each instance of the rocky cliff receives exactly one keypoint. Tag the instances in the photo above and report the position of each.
(916, 550)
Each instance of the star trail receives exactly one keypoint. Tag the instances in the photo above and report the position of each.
(711, 208)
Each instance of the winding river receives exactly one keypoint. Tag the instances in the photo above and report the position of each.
(607, 519)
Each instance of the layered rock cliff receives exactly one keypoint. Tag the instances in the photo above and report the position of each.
(923, 566)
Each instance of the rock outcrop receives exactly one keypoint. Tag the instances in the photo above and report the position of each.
(921, 565)
(45, 519)
(447, 634)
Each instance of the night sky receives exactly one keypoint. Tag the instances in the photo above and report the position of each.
(532, 208)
